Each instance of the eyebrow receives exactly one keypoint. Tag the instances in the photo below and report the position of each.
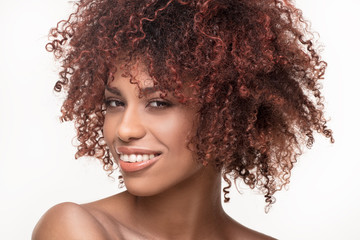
(113, 90)
(146, 90)
(150, 90)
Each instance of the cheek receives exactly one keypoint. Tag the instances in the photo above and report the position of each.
(173, 131)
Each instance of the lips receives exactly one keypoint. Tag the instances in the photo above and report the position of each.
(136, 159)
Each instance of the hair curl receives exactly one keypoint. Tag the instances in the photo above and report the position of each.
(254, 73)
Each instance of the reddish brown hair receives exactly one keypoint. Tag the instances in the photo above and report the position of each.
(254, 73)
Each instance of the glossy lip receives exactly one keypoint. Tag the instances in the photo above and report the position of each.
(136, 166)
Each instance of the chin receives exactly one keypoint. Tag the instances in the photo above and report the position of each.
(139, 192)
(141, 189)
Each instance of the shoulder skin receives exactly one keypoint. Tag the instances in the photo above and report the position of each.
(68, 221)
(235, 230)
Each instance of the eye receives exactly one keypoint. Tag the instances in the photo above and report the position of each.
(159, 104)
(112, 103)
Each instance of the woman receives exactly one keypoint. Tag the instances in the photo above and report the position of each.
(179, 94)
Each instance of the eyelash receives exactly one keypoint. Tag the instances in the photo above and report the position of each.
(161, 103)
(108, 103)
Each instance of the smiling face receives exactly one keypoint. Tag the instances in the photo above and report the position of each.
(148, 136)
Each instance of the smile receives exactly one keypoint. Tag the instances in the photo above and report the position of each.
(137, 162)
(136, 157)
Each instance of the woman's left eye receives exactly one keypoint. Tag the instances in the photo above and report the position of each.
(159, 104)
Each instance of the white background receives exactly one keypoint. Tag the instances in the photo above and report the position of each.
(37, 166)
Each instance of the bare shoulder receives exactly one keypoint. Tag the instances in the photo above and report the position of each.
(251, 234)
(237, 231)
(68, 221)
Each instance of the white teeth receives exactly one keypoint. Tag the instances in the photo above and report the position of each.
(145, 157)
(136, 158)
(132, 158)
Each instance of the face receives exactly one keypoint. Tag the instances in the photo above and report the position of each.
(147, 136)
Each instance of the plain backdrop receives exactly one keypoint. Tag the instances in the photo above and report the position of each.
(37, 166)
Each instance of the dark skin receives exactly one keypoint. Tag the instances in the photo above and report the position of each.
(121, 217)
(175, 198)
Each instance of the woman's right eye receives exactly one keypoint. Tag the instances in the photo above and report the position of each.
(112, 103)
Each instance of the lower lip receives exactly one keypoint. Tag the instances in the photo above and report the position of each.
(137, 166)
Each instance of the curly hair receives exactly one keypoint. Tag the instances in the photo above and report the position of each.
(254, 73)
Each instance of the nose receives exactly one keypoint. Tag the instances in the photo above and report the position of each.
(130, 126)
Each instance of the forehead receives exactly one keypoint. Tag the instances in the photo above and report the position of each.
(136, 73)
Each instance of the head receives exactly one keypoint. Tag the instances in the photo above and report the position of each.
(247, 66)
(147, 133)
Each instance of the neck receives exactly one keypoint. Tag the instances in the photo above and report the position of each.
(187, 211)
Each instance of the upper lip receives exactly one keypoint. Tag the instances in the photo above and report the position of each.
(135, 150)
